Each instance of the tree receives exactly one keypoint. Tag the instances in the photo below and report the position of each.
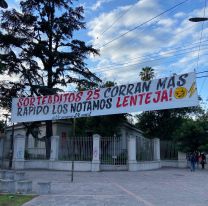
(147, 74)
(192, 136)
(3, 4)
(2, 126)
(106, 125)
(163, 123)
(39, 48)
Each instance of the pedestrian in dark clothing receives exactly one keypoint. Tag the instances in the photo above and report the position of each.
(193, 161)
(203, 160)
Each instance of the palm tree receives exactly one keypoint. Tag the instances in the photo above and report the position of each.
(3, 4)
(147, 73)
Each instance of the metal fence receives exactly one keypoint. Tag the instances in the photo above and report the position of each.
(168, 150)
(77, 148)
(5, 152)
(36, 151)
(145, 149)
(6, 147)
(113, 151)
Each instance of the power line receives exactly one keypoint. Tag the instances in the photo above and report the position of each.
(117, 19)
(134, 67)
(153, 55)
(202, 77)
(202, 29)
(205, 5)
(122, 16)
(130, 30)
(201, 72)
(185, 30)
(142, 62)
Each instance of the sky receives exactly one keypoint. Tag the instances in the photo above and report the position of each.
(129, 40)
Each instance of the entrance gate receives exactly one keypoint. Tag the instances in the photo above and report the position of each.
(114, 155)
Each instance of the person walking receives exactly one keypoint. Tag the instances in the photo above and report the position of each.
(193, 161)
(203, 160)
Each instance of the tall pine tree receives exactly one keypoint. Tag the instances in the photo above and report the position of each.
(39, 49)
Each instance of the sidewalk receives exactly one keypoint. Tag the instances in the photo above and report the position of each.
(164, 187)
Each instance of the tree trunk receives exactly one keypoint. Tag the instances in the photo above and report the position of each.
(49, 133)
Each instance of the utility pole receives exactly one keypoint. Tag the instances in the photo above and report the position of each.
(4, 139)
(11, 148)
(73, 150)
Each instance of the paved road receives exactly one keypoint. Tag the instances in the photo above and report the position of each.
(164, 187)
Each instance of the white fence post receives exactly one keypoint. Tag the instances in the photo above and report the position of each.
(156, 149)
(96, 153)
(54, 148)
(19, 151)
(132, 153)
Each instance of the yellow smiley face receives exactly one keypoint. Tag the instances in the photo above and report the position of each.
(180, 92)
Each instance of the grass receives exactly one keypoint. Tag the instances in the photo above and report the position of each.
(14, 200)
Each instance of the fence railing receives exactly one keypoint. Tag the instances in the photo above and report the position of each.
(5, 152)
(77, 148)
(145, 149)
(6, 148)
(36, 152)
(113, 151)
(168, 150)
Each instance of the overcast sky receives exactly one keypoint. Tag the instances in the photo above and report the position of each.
(169, 43)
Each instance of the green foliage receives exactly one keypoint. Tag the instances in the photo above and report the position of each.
(3, 4)
(147, 74)
(192, 135)
(38, 46)
(162, 123)
(14, 200)
(104, 125)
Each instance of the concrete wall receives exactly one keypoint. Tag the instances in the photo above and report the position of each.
(148, 165)
(57, 165)
(174, 163)
(83, 166)
(59, 127)
(180, 163)
(87, 165)
(169, 163)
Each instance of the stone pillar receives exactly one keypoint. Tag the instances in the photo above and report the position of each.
(156, 143)
(19, 151)
(54, 148)
(96, 153)
(132, 153)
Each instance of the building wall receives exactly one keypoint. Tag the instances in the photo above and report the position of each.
(60, 128)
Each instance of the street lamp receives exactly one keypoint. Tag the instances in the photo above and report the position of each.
(198, 19)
